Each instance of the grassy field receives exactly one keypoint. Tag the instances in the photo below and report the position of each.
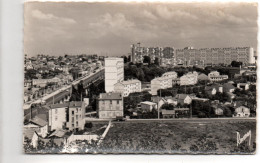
(179, 137)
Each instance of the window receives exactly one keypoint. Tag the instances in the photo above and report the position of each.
(72, 125)
(110, 101)
(72, 119)
(72, 112)
(77, 117)
(56, 111)
(117, 101)
(77, 123)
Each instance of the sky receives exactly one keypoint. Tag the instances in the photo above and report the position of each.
(110, 28)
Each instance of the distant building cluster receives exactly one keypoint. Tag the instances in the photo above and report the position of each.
(191, 56)
(165, 55)
(169, 79)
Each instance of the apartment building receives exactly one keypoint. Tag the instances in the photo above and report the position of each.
(190, 78)
(114, 72)
(171, 74)
(164, 54)
(67, 115)
(215, 76)
(127, 87)
(110, 105)
(160, 83)
(191, 56)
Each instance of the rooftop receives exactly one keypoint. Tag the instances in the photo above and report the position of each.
(131, 81)
(110, 96)
(148, 103)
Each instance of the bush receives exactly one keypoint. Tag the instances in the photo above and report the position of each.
(201, 115)
(88, 125)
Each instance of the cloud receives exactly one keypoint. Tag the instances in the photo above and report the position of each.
(149, 15)
(50, 17)
(168, 13)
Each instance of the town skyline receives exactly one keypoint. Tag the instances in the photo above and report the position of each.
(109, 29)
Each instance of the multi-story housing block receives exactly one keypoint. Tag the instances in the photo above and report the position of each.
(110, 105)
(67, 115)
(190, 78)
(160, 83)
(114, 72)
(127, 87)
(164, 54)
(171, 74)
(215, 55)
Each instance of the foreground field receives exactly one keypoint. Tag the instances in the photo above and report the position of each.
(179, 137)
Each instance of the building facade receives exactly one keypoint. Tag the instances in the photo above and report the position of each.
(114, 72)
(127, 87)
(110, 105)
(164, 54)
(171, 74)
(205, 56)
(215, 76)
(190, 78)
(69, 115)
(160, 83)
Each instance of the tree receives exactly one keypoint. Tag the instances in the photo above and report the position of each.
(167, 107)
(147, 59)
(125, 59)
(156, 61)
(236, 64)
(227, 112)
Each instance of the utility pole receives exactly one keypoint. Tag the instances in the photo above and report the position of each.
(158, 104)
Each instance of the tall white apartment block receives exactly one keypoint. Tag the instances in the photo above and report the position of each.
(160, 83)
(114, 72)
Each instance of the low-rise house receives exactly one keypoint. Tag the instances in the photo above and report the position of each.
(127, 87)
(110, 105)
(183, 99)
(182, 112)
(148, 106)
(215, 76)
(168, 113)
(199, 99)
(242, 111)
(38, 124)
(32, 135)
(164, 100)
(171, 100)
(176, 113)
(243, 86)
(227, 87)
(210, 90)
(159, 101)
